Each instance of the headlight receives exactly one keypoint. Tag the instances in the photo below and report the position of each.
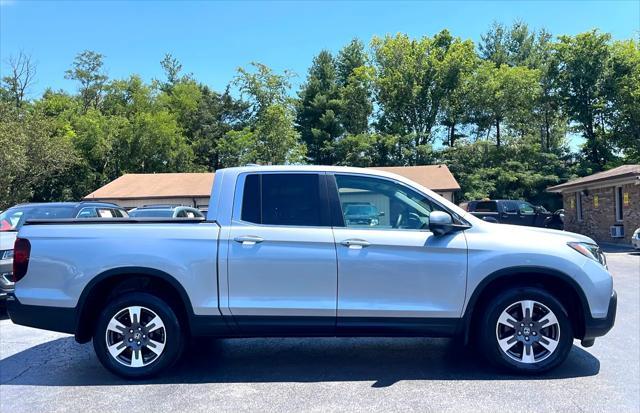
(590, 251)
(636, 234)
(374, 222)
(6, 254)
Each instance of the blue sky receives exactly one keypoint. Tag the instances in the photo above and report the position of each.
(212, 39)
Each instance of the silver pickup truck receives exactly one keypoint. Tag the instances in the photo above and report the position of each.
(276, 257)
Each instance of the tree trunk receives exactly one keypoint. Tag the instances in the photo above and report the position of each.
(498, 133)
(452, 135)
(547, 131)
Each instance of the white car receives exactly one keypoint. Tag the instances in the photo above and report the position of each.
(635, 239)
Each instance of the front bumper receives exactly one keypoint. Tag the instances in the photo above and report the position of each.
(60, 319)
(597, 327)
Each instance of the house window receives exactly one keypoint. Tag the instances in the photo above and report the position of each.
(579, 206)
(618, 203)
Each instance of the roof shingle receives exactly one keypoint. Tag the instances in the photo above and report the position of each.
(615, 173)
(188, 185)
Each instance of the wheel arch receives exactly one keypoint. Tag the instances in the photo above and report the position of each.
(118, 280)
(557, 283)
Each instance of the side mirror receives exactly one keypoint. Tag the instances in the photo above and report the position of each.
(381, 214)
(440, 223)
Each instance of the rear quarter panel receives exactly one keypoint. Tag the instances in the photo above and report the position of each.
(65, 258)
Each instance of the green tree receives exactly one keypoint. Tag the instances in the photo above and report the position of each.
(270, 136)
(411, 81)
(217, 114)
(623, 91)
(582, 75)
(504, 95)
(319, 108)
(354, 80)
(457, 71)
(87, 69)
(34, 153)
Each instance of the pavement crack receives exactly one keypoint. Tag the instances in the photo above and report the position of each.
(17, 376)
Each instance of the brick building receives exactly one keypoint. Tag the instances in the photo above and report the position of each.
(604, 206)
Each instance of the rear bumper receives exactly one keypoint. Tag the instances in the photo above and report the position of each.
(597, 327)
(47, 318)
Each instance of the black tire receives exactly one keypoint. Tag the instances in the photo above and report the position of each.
(173, 336)
(489, 329)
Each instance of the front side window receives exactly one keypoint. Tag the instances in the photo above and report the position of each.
(282, 199)
(382, 204)
(526, 208)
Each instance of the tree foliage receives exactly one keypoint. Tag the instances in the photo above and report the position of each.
(500, 114)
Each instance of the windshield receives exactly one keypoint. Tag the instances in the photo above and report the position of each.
(151, 213)
(13, 218)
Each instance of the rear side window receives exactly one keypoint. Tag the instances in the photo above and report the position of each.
(486, 206)
(282, 199)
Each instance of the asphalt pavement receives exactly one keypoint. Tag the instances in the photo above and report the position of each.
(42, 371)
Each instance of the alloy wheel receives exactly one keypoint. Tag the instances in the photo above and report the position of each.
(136, 336)
(528, 331)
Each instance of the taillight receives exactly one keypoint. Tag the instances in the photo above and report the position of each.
(21, 252)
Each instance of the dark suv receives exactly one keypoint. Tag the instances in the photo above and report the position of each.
(13, 218)
(514, 212)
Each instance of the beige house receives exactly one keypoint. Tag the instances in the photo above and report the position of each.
(604, 206)
(194, 189)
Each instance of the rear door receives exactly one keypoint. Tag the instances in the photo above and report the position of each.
(282, 270)
(509, 214)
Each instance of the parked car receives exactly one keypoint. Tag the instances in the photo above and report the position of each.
(513, 212)
(361, 213)
(13, 218)
(275, 257)
(635, 239)
(165, 211)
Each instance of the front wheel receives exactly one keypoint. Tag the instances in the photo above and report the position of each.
(137, 336)
(526, 330)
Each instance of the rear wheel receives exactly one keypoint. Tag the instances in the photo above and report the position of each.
(137, 336)
(526, 330)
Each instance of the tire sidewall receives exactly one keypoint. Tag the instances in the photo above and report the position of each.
(174, 337)
(489, 341)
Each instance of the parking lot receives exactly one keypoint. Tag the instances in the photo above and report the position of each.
(42, 371)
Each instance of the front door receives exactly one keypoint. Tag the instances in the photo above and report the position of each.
(393, 273)
(282, 270)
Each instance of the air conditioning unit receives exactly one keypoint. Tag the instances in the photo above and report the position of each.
(617, 231)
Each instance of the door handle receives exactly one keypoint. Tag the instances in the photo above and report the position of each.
(355, 243)
(248, 239)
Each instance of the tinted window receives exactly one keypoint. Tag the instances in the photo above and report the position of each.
(382, 204)
(251, 200)
(486, 206)
(282, 199)
(510, 207)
